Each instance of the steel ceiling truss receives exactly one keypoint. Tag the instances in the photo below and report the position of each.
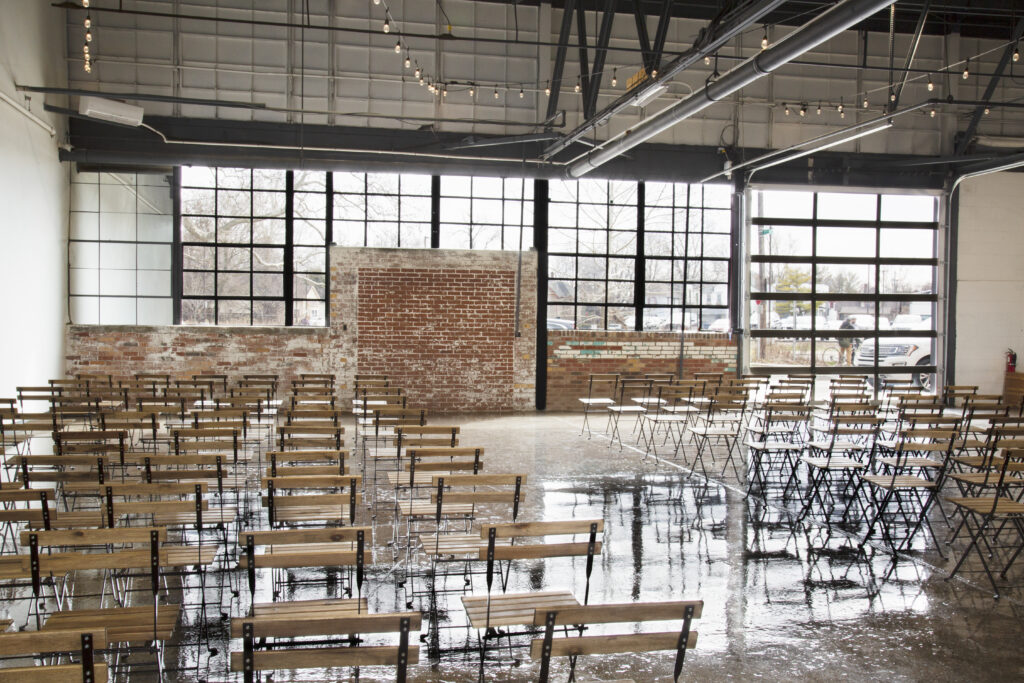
(990, 89)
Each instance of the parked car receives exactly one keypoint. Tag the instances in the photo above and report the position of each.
(898, 352)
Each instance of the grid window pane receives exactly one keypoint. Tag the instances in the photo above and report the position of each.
(236, 227)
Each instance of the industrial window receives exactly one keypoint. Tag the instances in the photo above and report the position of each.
(486, 213)
(619, 250)
(253, 246)
(844, 282)
(119, 249)
(686, 255)
(382, 210)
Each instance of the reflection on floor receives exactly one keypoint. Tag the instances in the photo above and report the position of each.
(783, 600)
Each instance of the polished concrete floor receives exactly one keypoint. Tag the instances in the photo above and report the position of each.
(783, 600)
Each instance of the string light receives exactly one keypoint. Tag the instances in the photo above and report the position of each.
(967, 70)
(408, 62)
(495, 93)
(892, 95)
(819, 109)
(88, 69)
(866, 102)
(88, 21)
(842, 114)
(1016, 54)
(88, 36)
(840, 107)
(764, 39)
(615, 77)
(521, 93)
(421, 80)
(547, 89)
(577, 88)
(387, 26)
(417, 72)
(472, 91)
(444, 90)
(85, 48)
(931, 86)
(785, 108)
(932, 112)
(707, 60)
(803, 110)
(398, 47)
(654, 73)
(85, 3)
(987, 111)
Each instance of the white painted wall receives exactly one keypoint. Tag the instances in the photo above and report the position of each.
(34, 200)
(990, 278)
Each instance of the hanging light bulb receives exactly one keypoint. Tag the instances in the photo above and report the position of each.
(408, 62)
(707, 60)
(85, 3)
(87, 67)
(417, 72)
(547, 89)
(444, 90)
(866, 102)
(654, 73)
(1016, 54)
(376, 2)
(764, 39)
(842, 114)
(521, 93)
(85, 48)
(398, 47)
(840, 107)
(495, 93)
(88, 21)
(932, 112)
(967, 70)
(931, 86)
(819, 109)
(615, 77)
(785, 108)
(88, 36)
(803, 110)
(987, 111)
(472, 90)
(421, 80)
(387, 26)
(577, 88)
(892, 95)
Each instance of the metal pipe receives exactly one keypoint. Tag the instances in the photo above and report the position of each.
(844, 134)
(683, 61)
(27, 114)
(142, 97)
(350, 150)
(807, 37)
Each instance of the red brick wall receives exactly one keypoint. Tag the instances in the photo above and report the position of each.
(440, 322)
(446, 335)
(183, 351)
(574, 355)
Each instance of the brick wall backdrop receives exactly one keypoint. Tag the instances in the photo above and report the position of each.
(573, 355)
(443, 325)
(441, 322)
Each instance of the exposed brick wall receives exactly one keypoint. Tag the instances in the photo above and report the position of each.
(125, 350)
(448, 332)
(572, 356)
(442, 324)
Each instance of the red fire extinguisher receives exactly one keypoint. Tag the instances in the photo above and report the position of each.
(1011, 360)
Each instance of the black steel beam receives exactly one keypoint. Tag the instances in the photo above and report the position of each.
(661, 34)
(990, 89)
(581, 38)
(600, 53)
(914, 44)
(642, 36)
(559, 65)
